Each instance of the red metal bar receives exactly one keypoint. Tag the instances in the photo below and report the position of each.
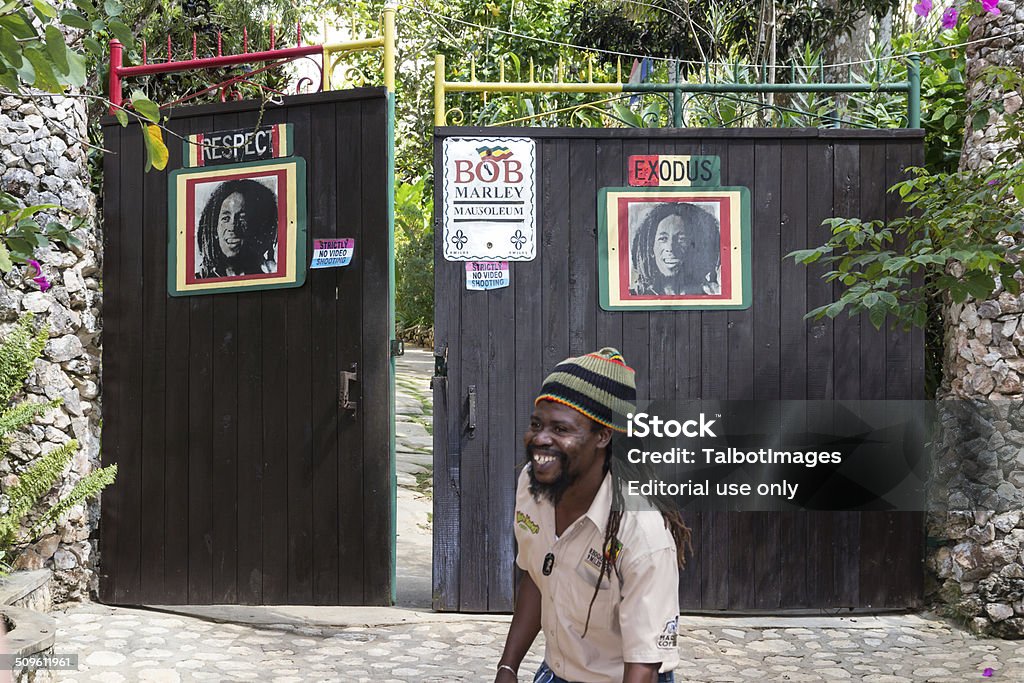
(220, 45)
(245, 39)
(298, 34)
(229, 82)
(195, 55)
(170, 57)
(271, 36)
(213, 62)
(114, 82)
(144, 60)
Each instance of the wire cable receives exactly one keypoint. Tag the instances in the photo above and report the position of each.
(691, 62)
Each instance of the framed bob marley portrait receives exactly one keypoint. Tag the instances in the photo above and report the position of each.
(237, 227)
(674, 248)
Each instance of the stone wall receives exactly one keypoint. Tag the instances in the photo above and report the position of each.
(42, 161)
(977, 556)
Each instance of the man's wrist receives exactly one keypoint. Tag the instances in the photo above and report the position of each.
(506, 667)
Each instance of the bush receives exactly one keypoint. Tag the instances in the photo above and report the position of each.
(414, 257)
(18, 353)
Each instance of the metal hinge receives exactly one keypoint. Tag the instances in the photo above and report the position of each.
(397, 348)
(440, 366)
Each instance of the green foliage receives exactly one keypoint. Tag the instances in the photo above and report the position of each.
(716, 31)
(414, 255)
(961, 237)
(18, 352)
(21, 233)
(33, 51)
(209, 21)
(944, 108)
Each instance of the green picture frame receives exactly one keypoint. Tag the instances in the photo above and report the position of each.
(674, 248)
(272, 252)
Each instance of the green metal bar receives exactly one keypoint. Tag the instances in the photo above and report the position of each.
(914, 91)
(677, 108)
(480, 86)
(901, 86)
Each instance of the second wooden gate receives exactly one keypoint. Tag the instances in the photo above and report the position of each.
(502, 342)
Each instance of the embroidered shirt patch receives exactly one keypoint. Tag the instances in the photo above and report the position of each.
(612, 550)
(594, 558)
(667, 637)
(525, 523)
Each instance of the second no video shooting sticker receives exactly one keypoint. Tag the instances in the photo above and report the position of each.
(778, 455)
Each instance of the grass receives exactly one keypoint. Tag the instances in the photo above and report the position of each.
(425, 483)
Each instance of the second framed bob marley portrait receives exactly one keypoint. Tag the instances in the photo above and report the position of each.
(674, 248)
(237, 227)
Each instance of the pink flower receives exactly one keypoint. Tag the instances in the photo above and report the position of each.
(987, 673)
(949, 17)
(39, 278)
(923, 7)
(990, 6)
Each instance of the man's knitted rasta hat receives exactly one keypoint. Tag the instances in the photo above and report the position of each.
(600, 385)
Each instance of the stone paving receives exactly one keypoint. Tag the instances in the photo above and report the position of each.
(288, 645)
(410, 643)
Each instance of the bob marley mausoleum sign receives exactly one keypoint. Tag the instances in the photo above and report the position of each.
(490, 196)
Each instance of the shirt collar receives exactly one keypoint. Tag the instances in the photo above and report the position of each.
(602, 503)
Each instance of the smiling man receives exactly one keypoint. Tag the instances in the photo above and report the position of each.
(600, 581)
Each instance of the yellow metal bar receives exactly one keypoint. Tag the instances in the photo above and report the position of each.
(389, 45)
(463, 86)
(385, 41)
(356, 45)
(439, 87)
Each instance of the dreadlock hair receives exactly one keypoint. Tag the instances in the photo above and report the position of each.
(673, 519)
(702, 230)
(259, 241)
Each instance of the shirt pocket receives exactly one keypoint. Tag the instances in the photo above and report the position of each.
(604, 611)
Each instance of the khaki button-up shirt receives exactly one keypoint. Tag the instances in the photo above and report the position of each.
(635, 614)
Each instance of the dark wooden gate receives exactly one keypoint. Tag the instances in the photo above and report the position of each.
(240, 479)
(502, 342)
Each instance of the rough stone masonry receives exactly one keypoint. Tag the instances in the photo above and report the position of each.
(977, 549)
(42, 161)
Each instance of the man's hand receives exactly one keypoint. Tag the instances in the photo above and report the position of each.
(505, 676)
(640, 673)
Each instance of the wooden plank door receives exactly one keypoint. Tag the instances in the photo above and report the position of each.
(241, 478)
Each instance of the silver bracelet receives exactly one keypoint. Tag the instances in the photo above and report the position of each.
(506, 666)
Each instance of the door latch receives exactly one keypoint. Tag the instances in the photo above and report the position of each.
(346, 377)
(471, 397)
(397, 348)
